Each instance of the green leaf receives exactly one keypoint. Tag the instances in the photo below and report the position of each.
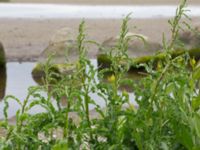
(164, 146)
(184, 136)
(196, 103)
(196, 73)
(170, 88)
(197, 125)
(62, 145)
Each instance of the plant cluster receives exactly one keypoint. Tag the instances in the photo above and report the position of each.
(167, 116)
(4, 0)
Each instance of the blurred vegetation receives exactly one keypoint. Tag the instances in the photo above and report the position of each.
(4, 0)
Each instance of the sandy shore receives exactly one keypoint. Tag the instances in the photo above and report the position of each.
(108, 2)
(25, 39)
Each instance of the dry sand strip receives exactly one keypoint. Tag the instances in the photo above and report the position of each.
(109, 2)
(25, 39)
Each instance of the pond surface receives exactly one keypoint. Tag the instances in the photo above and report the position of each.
(19, 79)
(87, 11)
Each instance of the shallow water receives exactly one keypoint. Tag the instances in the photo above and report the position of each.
(19, 79)
(44, 11)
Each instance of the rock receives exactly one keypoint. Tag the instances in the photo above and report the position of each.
(62, 35)
(61, 52)
(2, 82)
(64, 54)
(137, 46)
(104, 61)
(38, 72)
(63, 46)
(190, 39)
(2, 72)
(2, 56)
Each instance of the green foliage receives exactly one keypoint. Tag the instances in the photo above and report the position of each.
(167, 116)
(4, 1)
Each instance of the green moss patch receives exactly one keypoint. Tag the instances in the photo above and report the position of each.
(104, 60)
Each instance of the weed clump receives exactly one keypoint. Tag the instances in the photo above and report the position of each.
(167, 115)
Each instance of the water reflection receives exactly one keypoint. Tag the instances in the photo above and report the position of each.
(15, 80)
(19, 79)
(2, 82)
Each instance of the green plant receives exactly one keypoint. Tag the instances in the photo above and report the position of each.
(168, 98)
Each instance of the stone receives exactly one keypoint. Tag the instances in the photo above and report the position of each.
(189, 39)
(137, 46)
(62, 52)
(2, 71)
(62, 46)
(2, 82)
(2, 56)
(141, 52)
